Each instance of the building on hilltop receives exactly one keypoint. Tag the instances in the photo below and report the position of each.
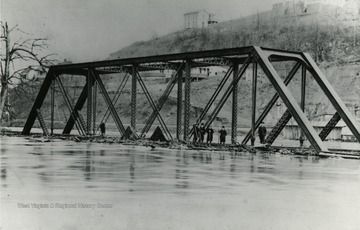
(198, 19)
(314, 6)
(349, 9)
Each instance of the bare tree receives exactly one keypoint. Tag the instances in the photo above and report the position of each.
(13, 57)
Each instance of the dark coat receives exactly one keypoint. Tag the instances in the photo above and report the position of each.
(210, 133)
(262, 131)
(102, 127)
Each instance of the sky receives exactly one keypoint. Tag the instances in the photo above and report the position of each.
(89, 30)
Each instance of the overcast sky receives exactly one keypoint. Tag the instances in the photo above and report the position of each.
(86, 30)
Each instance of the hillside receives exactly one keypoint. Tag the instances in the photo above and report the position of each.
(327, 38)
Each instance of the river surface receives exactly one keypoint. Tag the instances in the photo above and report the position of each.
(68, 185)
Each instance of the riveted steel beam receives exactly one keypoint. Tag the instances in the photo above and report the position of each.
(89, 112)
(52, 108)
(160, 58)
(94, 107)
(302, 101)
(179, 103)
(133, 97)
(253, 101)
(234, 113)
(113, 69)
(187, 100)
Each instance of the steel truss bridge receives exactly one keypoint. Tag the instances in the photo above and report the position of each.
(236, 59)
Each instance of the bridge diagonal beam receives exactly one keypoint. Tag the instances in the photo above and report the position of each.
(153, 106)
(107, 99)
(228, 91)
(161, 101)
(289, 101)
(333, 96)
(116, 98)
(74, 114)
(80, 127)
(38, 102)
(274, 133)
(329, 126)
(271, 103)
(213, 98)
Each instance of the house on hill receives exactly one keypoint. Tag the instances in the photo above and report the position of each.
(198, 19)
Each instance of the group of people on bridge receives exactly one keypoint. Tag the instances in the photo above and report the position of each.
(199, 134)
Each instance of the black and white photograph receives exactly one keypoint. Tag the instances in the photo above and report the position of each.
(180, 115)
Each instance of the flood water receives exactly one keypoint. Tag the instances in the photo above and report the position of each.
(68, 185)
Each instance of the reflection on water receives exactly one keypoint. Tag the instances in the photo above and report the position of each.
(174, 189)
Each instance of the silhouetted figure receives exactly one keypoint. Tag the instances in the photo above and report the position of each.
(210, 133)
(202, 132)
(222, 135)
(262, 132)
(102, 129)
(196, 133)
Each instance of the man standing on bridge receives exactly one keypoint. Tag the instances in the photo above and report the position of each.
(209, 137)
(262, 132)
(222, 135)
(202, 132)
(102, 129)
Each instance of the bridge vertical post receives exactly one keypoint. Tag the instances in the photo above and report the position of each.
(234, 104)
(52, 104)
(89, 103)
(133, 96)
(302, 102)
(94, 107)
(179, 104)
(187, 100)
(253, 104)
